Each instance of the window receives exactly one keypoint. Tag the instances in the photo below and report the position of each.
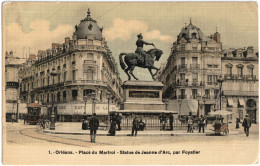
(87, 92)
(195, 60)
(209, 66)
(207, 93)
(251, 72)
(209, 79)
(48, 81)
(89, 74)
(215, 78)
(64, 95)
(90, 42)
(64, 76)
(182, 93)
(90, 56)
(195, 77)
(216, 93)
(229, 71)
(73, 57)
(58, 78)
(182, 61)
(240, 114)
(240, 71)
(182, 76)
(74, 75)
(58, 96)
(194, 93)
(48, 97)
(74, 94)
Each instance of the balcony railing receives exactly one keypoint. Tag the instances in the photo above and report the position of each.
(240, 93)
(183, 66)
(250, 77)
(182, 97)
(194, 66)
(183, 83)
(195, 82)
(78, 82)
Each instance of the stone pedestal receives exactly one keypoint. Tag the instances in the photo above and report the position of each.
(143, 96)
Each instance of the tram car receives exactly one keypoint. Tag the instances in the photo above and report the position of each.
(33, 114)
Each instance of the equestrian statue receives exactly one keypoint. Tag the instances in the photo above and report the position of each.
(140, 58)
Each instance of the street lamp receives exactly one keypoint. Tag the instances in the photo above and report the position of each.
(204, 99)
(108, 95)
(220, 81)
(198, 99)
(93, 97)
(85, 98)
(52, 127)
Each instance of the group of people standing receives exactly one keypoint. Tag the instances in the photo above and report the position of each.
(201, 123)
(163, 121)
(246, 124)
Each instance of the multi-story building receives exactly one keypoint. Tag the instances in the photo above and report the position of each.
(67, 72)
(192, 71)
(196, 66)
(240, 86)
(12, 102)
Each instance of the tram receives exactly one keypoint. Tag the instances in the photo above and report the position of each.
(33, 114)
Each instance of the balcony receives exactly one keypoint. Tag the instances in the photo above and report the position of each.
(240, 93)
(91, 62)
(85, 82)
(250, 77)
(195, 82)
(182, 66)
(182, 97)
(183, 83)
(194, 66)
(239, 77)
(12, 84)
(228, 76)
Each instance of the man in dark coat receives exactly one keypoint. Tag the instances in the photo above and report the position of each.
(93, 125)
(202, 122)
(135, 126)
(163, 121)
(171, 118)
(246, 124)
(119, 118)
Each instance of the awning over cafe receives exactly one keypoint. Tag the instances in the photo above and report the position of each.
(230, 102)
(241, 102)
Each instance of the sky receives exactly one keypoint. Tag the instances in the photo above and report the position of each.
(32, 26)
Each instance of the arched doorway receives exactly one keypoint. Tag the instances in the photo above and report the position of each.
(251, 109)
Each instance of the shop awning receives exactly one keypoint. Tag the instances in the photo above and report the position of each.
(230, 102)
(241, 102)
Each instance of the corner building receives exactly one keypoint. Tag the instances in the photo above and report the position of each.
(67, 72)
(192, 71)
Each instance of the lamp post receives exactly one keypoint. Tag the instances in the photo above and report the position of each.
(220, 81)
(52, 127)
(108, 95)
(198, 99)
(85, 98)
(204, 99)
(93, 97)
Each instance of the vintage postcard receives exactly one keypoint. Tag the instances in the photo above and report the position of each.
(130, 83)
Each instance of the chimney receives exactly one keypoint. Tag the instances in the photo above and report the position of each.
(32, 56)
(67, 40)
(216, 37)
(55, 45)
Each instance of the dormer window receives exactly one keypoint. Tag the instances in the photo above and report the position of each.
(194, 35)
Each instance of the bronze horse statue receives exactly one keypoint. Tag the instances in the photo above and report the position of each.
(134, 59)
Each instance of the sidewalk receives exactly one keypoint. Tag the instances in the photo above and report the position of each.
(74, 128)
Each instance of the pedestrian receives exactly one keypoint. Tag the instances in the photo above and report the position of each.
(190, 124)
(135, 126)
(237, 123)
(13, 118)
(246, 124)
(84, 123)
(119, 118)
(202, 122)
(113, 122)
(141, 125)
(93, 125)
(171, 118)
(163, 121)
(24, 118)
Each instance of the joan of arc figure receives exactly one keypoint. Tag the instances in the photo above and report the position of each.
(140, 43)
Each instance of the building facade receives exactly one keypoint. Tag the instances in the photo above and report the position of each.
(12, 102)
(192, 70)
(195, 68)
(67, 72)
(240, 86)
